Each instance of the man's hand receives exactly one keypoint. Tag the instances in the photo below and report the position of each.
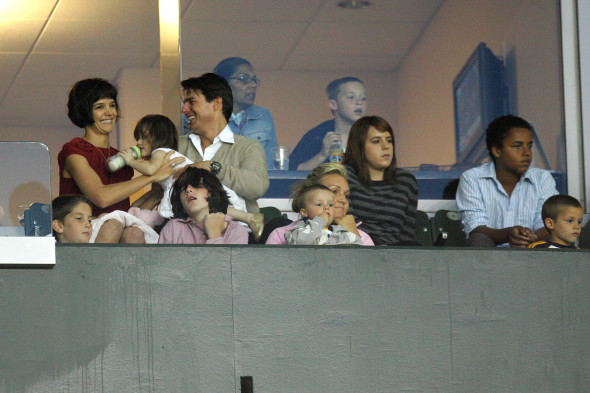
(519, 236)
(201, 164)
(214, 225)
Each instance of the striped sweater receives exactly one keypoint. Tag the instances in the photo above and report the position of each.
(387, 212)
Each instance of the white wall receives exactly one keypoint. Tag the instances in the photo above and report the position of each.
(584, 53)
(526, 29)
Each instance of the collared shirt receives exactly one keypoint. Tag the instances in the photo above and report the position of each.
(482, 200)
(236, 118)
(255, 122)
(226, 135)
(186, 231)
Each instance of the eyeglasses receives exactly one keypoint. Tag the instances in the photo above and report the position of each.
(247, 79)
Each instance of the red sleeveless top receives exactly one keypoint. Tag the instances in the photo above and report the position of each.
(96, 157)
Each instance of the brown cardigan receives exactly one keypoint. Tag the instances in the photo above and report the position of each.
(243, 167)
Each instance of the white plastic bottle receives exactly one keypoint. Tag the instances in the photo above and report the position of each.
(116, 162)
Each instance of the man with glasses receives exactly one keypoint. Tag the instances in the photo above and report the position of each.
(247, 119)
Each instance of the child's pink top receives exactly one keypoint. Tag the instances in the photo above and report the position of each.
(179, 231)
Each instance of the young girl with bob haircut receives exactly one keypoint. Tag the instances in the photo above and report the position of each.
(383, 196)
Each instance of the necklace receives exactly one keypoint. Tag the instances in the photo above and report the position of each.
(100, 151)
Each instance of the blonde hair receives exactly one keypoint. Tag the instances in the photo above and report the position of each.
(314, 178)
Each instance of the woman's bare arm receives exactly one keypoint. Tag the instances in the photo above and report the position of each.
(102, 195)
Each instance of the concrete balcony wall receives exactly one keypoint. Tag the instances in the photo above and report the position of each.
(196, 319)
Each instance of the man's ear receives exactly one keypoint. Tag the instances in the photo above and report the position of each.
(57, 226)
(218, 103)
(332, 104)
(496, 151)
(303, 213)
(549, 223)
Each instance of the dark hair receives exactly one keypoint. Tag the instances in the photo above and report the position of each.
(554, 204)
(84, 94)
(499, 129)
(333, 87)
(227, 67)
(355, 149)
(63, 205)
(212, 86)
(199, 178)
(159, 130)
(300, 193)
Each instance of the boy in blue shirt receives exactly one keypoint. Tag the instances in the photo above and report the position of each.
(500, 201)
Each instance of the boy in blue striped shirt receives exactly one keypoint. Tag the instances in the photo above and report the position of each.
(500, 201)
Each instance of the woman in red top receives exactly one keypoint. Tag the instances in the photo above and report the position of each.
(92, 105)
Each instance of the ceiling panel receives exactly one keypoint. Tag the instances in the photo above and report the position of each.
(95, 36)
(275, 39)
(381, 11)
(109, 11)
(29, 9)
(250, 10)
(337, 38)
(18, 36)
(341, 63)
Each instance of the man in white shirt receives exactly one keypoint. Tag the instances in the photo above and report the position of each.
(238, 162)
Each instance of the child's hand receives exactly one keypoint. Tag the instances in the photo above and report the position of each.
(127, 156)
(214, 225)
(330, 138)
(326, 216)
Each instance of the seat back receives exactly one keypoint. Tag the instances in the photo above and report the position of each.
(270, 213)
(423, 229)
(584, 239)
(447, 230)
(37, 220)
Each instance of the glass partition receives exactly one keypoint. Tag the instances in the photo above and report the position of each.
(25, 195)
(407, 54)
